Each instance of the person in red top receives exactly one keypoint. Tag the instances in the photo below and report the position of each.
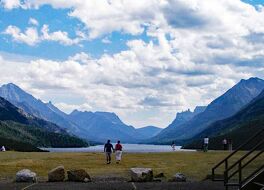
(118, 152)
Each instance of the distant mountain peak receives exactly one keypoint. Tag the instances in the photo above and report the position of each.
(250, 80)
(12, 86)
(76, 111)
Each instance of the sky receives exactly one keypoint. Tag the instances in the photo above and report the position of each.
(145, 60)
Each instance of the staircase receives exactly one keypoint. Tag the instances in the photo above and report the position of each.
(247, 171)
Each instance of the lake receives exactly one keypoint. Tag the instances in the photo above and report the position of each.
(136, 148)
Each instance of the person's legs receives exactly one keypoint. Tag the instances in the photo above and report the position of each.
(205, 147)
(118, 156)
(108, 157)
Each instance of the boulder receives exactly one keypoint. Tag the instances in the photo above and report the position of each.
(56, 174)
(178, 177)
(141, 174)
(78, 176)
(26, 175)
(159, 175)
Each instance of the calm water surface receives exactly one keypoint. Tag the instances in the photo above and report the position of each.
(126, 148)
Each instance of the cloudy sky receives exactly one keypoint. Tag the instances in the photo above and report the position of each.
(143, 59)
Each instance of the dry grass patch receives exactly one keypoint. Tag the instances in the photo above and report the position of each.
(196, 165)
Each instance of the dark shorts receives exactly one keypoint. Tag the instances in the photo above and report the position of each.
(108, 153)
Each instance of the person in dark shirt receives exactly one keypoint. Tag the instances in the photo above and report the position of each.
(108, 147)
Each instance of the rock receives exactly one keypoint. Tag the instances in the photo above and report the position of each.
(26, 175)
(56, 174)
(86, 180)
(160, 175)
(141, 174)
(78, 176)
(178, 177)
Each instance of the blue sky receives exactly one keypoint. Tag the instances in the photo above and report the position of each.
(58, 19)
(145, 60)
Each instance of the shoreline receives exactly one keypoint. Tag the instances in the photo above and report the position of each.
(127, 148)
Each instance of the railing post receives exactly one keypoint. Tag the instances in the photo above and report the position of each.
(213, 174)
(226, 173)
(240, 174)
(226, 179)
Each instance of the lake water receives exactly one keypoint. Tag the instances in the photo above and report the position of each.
(136, 148)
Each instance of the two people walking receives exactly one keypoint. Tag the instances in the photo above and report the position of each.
(108, 149)
(227, 144)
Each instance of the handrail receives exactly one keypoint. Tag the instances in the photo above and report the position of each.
(239, 162)
(244, 165)
(256, 171)
(245, 156)
(238, 149)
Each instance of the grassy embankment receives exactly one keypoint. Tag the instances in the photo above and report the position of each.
(196, 165)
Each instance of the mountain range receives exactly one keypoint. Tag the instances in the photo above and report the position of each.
(223, 116)
(222, 107)
(93, 126)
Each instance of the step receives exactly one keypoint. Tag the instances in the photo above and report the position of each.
(232, 184)
(218, 179)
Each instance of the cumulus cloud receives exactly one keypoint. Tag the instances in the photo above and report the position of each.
(31, 35)
(58, 36)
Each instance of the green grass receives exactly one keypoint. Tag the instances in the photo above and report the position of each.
(196, 165)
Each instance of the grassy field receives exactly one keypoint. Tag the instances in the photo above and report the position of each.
(196, 165)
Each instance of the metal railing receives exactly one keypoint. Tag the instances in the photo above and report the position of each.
(228, 174)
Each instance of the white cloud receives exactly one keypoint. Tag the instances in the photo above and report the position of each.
(106, 40)
(58, 36)
(10, 4)
(30, 36)
(33, 22)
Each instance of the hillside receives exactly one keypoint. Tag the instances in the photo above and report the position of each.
(19, 126)
(11, 144)
(223, 107)
(239, 127)
(36, 107)
(37, 136)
